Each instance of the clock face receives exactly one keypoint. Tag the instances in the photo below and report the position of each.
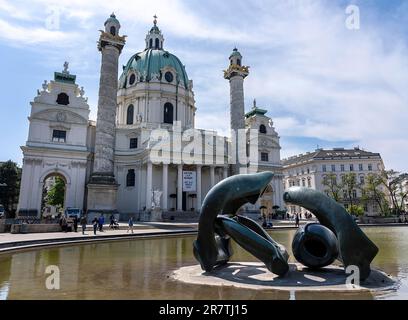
(168, 76)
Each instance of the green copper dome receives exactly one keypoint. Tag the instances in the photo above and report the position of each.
(150, 62)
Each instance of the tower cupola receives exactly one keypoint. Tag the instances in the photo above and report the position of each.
(154, 39)
(112, 25)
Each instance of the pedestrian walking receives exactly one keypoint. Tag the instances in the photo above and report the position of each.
(63, 223)
(130, 225)
(83, 224)
(95, 224)
(297, 220)
(101, 221)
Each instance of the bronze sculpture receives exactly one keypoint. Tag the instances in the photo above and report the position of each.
(315, 246)
(212, 247)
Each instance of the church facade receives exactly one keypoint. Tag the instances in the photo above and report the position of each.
(143, 156)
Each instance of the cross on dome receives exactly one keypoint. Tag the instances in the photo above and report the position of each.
(155, 19)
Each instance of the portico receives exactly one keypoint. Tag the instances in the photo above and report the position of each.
(181, 185)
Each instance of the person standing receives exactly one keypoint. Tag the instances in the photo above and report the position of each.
(95, 224)
(83, 224)
(297, 220)
(130, 225)
(101, 222)
(112, 221)
(76, 224)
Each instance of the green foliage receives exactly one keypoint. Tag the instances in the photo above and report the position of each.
(333, 189)
(356, 210)
(393, 182)
(56, 194)
(373, 192)
(10, 175)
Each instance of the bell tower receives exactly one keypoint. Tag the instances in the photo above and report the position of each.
(236, 73)
(102, 186)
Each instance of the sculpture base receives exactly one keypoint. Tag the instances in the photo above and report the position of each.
(156, 215)
(254, 275)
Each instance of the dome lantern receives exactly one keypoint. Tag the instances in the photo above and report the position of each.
(154, 39)
(112, 25)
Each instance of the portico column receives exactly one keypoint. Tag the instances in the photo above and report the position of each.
(225, 173)
(165, 178)
(149, 186)
(212, 176)
(180, 187)
(198, 187)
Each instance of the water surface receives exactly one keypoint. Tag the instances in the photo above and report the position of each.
(140, 268)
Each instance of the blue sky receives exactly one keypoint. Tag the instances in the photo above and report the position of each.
(322, 83)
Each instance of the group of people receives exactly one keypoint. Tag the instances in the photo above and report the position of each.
(97, 223)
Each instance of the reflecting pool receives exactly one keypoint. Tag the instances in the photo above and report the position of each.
(140, 269)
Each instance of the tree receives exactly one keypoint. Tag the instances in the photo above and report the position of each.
(333, 189)
(56, 194)
(393, 182)
(10, 175)
(372, 192)
(350, 186)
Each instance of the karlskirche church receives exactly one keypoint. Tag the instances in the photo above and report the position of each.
(114, 165)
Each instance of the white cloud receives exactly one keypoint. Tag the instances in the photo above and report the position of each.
(317, 78)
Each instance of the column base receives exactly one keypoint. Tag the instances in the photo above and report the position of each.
(102, 195)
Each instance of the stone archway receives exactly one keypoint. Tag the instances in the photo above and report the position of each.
(267, 201)
(53, 189)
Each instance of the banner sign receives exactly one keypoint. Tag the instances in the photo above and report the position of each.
(189, 181)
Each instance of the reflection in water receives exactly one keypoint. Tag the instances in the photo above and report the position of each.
(140, 269)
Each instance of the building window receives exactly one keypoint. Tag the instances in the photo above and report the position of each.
(168, 113)
(324, 168)
(351, 167)
(309, 182)
(345, 195)
(361, 179)
(239, 62)
(343, 179)
(308, 170)
(264, 156)
(354, 194)
(151, 43)
(59, 136)
(360, 167)
(132, 79)
(130, 178)
(168, 76)
(129, 114)
(157, 43)
(113, 31)
(262, 129)
(333, 167)
(133, 143)
(342, 167)
(303, 183)
(370, 167)
(63, 99)
(334, 180)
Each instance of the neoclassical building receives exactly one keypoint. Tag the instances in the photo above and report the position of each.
(312, 168)
(143, 155)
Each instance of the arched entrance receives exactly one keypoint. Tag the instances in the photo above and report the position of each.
(53, 197)
(266, 202)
